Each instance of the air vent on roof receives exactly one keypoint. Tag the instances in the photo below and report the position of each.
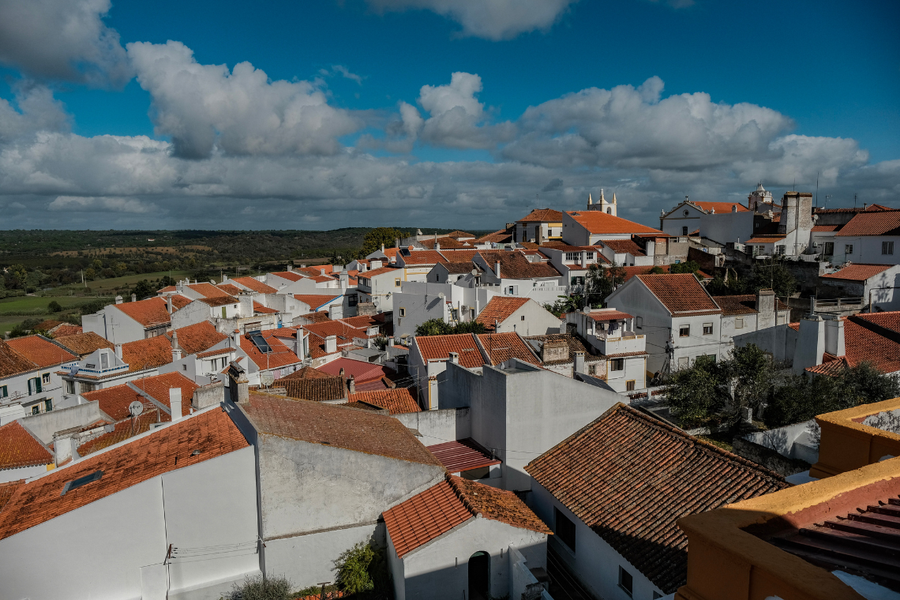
(77, 483)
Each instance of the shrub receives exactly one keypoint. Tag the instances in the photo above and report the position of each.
(258, 587)
(54, 306)
(362, 570)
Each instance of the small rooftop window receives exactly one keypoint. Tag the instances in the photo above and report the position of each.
(77, 483)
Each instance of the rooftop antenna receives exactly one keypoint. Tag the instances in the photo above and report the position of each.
(854, 200)
(817, 189)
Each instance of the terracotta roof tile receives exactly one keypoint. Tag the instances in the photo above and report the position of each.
(502, 236)
(764, 239)
(41, 351)
(624, 247)
(314, 390)
(305, 373)
(47, 325)
(396, 401)
(889, 320)
(497, 505)
(229, 289)
(602, 316)
(630, 477)
(720, 207)
(115, 400)
(253, 284)
(122, 431)
(198, 337)
(514, 265)
(501, 347)
(422, 257)
(741, 304)
(873, 339)
(858, 272)
(382, 271)
(680, 293)
(498, 309)
(280, 355)
(574, 343)
(18, 448)
(318, 423)
(872, 223)
(217, 301)
(147, 353)
(317, 317)
(83, 344)
(632, 271)
(289, 275)
(542, 215)
(191, 441)
(360, 370)
(152, 311)
(598, 222)
(459, 268)
(263, 310)
(66, 329)
(316, 300)
(825, 228)
(13, 363)
(439, 347)
(208, 290)
(463, 455)
(7, 490)
(362, 321)
(444, 242)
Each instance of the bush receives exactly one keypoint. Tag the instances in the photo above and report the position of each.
(362, 570)
(258, 587)
(54, 306)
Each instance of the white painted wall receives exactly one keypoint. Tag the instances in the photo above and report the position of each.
(530, 319)
(866, 249)
(727, 226)
(438, 426)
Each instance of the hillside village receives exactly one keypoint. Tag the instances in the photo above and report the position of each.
(495, 414)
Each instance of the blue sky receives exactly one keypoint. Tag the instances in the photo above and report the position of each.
(443, 113)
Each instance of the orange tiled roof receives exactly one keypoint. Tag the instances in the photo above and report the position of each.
(872, 223)
(263, 310)
(598, 222)
(439, 347)
(229, 289)
(858, 272)
(502, 236)
(444, 243)
(152, 311)
(380, 271)
(624, 247)
(314, 389)
(208, 290)
(41, 351)
(608, 315)
(18, 448)
(768, 239)
(114, 401)
(280, 356)
(501, 347)
(720, 207)
(148, 353)
(253, 284)
(395, 401)
(341, 330)
(867, 340)
(198, 337)
(47, 325)
(13, 363)
(422, 258)
(83, 344)
(630, 477)
(122, 431)
(680, 293)
(362, 321)
(825, 228)
(216, 301)
(289, 275)
(360, 370)
(632, 271)
(202, 437)
(317, 317)
(514, 265)
(304, 373)
(67, 329)
(450, 503)
(7, 490)
(542, 215)
(314, 301)
(889, 320)
(336, 426)
(499, 308)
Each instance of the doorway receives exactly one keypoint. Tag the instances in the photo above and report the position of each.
(479, 576)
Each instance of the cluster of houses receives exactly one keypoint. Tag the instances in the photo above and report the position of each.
(531, 460)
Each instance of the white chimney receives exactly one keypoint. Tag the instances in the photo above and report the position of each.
(236, 338)
(290, 268)
(579, 361)
(64, 449)
(454, 358)
(176, 349)
(382, 248)
(330, 344)
(497, 269)
(175, 403)
(118, 299)
(134, 297)
(169, 304)
(834, 336)
(810, 343)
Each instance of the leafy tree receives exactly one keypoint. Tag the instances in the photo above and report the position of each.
(689, 266)
(166, 281)
(362, 570)
(90, 274)
(24, 328)
(719, 286)
(54, 306)
(433, 327)
(698, 392)
(469, 327)
(601, 282)
(772, 274)
(144, 289)
(752, 375)
(656, 270)
(258, 587)
(378, 236)
(15, 278)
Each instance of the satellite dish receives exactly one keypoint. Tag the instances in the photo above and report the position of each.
(474, 272)
(441, 295)
(136, 408)
(266, 378)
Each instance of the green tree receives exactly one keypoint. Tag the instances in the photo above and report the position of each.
(378, 236)
(772, 274)
(600, 282)
(362, 570)
(144, 289)
(258, 587)
(433, 327)
(752, 375)
(469, 327)
(689, 266)
(54, 306)
(699, 392)
(15, 277)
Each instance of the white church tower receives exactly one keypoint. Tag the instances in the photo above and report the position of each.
(604, 205)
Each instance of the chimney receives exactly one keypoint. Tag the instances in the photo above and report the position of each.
(176, 349)
(175, 403)
(579, 361)
(64, 448)
(345, 280)
(454, 358)
(390, 342)
(236, 338)
(810, 343)
(118, 299)
(341, 373)
(437, 245)
(290, 268)
(497, 269)
(119, 351)
(330, 344)
(209, 395)
(834, 336)
(382, 248)
(169, 304)
(134, 297)
(351, 385)
(584, 259)
(377, 264)
(396, 242)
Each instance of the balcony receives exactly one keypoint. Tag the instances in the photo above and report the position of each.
(613, 344)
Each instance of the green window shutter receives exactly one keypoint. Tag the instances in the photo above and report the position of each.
(37, 383)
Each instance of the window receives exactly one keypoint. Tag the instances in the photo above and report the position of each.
(590, 255)
(686, 213)
(402, 312)
(578, 280)
(592, 369)
(707, 328)
(184, 367)
(224, 314)
(684, 231)
(565, 529)
(34, 386)
(626, 581)
(684, 331)
(848, 248)
(779, 250)
(639, 322)
(3, 391)
(45, 378)
(829, 248)
(739, 323)
(77, 483)
(523, 317)
(572, 256)
(887, 247)
(35, 410)
(352, 300)
(48, 405)
(397, 282)
(629, 385)
(617, 364)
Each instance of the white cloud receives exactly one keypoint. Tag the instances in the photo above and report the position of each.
(241, 112)
(342, 71)
(490, 19)
(37, 111)
(103, 204)
(62, 39)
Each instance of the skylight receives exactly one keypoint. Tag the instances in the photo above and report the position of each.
(77, 483)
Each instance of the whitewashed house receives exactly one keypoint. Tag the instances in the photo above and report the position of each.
(125, 322)
(869, 238)
(876, 284)
(509, 314)
(515, 274)
(30, 382)
(612, 333)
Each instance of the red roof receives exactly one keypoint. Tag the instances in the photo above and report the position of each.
(501, 347)
(719, 207)
(439, 347)
(825, 228)
(280, 355)
(360, 370)
(251, 283)
(769, 239)
(440, 508)
(872, 223)
(889, 320)
(624, 247)
(608, 315)
(263, 310)
(199, 337)
(542, 215)
(147, 353)
(41, 351)
(122, 431)
(289, 275)
(208, 290)
(514, 265)
(229, 290)
(315, 301)
(13, 363)
(381, 271)
(18, 448)
(115, 400)
(152, 311)
(858, 272)
(66, 329)
(83, 344)
(336, 426)
(421, 257)
(202, 437)
(630, 477)
(866, 340)
(632, 271)
(396, 401)
(680, 293)
(463, 455)
(598, 222)
(498, 309)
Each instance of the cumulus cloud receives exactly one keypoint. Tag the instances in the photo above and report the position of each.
(37, 111)
(239, 111)
(105, 204)
(490, 19)
(62, 39)
(342, 71)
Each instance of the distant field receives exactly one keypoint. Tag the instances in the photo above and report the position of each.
(37, 305)
(105, 287)
(136, 249)
(8, 323)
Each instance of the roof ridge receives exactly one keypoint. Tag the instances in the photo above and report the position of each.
(461, 495)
